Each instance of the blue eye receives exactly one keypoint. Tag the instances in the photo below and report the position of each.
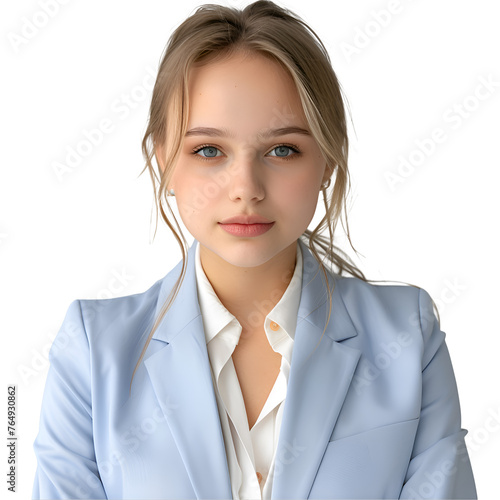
(209, 152)
(283, 149)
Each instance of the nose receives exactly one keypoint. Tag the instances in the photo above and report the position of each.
(246, 177)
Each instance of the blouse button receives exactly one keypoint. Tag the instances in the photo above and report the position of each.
(274, 326)
(259, 477)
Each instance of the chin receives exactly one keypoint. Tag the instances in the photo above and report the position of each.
(243, 255)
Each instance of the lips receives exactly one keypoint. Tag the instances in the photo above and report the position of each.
(246, 219)
(247, 230)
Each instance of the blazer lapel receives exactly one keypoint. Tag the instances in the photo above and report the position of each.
(181, 377)
(320, 376)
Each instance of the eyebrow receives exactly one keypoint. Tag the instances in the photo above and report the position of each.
(266, 134)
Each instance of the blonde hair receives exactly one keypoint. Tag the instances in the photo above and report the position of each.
(214, 32)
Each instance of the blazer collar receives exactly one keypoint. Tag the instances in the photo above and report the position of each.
(314, 298)
(321, 372)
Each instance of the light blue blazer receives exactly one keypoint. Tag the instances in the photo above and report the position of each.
(373, 412)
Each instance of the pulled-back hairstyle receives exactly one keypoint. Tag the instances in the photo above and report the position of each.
(214, 32)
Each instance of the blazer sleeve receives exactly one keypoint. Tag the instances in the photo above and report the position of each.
(64, 445)
(439, 465)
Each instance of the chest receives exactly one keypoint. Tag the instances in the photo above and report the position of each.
(257, 366)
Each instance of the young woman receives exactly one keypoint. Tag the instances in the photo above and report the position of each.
(251, 370)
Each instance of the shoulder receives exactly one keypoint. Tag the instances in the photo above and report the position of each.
(99, 326)
(120, 311)
(362, 293)
(404, 309)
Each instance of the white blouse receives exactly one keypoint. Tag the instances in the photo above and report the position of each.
(250, 452)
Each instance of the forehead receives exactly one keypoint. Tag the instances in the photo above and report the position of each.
(243, 90)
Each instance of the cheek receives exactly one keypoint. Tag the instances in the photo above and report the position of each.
(196, 203)
(196, 189)
(188, 190)
(303, 191)
(298, 202)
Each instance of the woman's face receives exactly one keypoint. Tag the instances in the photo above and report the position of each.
(248, 166)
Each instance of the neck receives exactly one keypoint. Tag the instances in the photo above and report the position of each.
(249, 293)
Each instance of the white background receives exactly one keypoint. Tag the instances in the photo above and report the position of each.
(68, 238)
